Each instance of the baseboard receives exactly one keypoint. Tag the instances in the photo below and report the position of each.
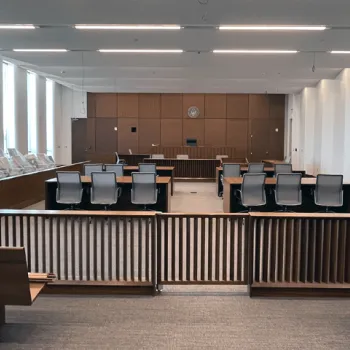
(99, 288)
(274, 292)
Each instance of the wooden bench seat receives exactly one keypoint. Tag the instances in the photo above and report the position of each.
(18, 287)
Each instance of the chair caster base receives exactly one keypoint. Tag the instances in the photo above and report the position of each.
(159, 288)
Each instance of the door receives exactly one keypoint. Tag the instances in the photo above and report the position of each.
(79, 127)
(259, 139)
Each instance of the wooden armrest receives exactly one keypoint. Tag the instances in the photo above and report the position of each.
(35, 289)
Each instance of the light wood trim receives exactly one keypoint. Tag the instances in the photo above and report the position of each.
(274, 161)
(35, 289)
(272, 181)
(122, 179)
(136, 168)
(245, 168)
(300, 215)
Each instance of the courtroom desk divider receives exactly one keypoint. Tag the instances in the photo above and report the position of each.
(269, 252)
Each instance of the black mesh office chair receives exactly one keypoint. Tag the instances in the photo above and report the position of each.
(283, 169)
(148, 168)
(89, 168)
(104, 189)
(252, 192)
(256, 168)
(229, 170)
(144, 189)
(118, 169)
(69, 188)
(288, 190)
(329, 191)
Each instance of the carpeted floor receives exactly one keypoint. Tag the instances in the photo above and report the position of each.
(189, 197)
(178, 320)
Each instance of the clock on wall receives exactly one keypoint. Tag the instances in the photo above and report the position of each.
(193, 112)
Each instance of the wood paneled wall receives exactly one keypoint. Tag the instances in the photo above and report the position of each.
(252, 124)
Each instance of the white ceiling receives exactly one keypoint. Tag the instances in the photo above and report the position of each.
(189, 71)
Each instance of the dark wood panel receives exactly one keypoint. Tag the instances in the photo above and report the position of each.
(91, 105)
(171, 132)
(276, 138)
(149, 106)
(18, 192)
(127, 138)
(237, 106)
(215, 132)
(277, 106)
(215, 106)
(259, 130)
(193, 100)
(259, 106)
(237, 136)
(90, 135)
(79, 134)
(149, 133)
(193, 129)
(171, 106)
(106, 135)
(128, 105)
(106, 105)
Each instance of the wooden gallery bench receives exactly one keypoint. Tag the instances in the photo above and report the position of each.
(17, 287)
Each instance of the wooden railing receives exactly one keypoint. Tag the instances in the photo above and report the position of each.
(300, 250)
(267, 251)
(202, 249)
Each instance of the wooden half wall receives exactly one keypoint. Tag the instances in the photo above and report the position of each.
(251, 124)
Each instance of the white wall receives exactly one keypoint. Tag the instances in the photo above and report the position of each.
(41, 114)
(324, 124)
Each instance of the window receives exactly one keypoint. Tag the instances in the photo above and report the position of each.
(32, 112)
(49, 118)
(9, 105)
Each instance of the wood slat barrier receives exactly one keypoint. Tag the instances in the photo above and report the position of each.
(189, 168)
(271, 252)
(84, 246)
(200, 152)
(202, 249)
(299, 251)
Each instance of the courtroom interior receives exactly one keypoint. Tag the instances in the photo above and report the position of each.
(174, 174)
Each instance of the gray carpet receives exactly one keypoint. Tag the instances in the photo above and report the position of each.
(178, 320)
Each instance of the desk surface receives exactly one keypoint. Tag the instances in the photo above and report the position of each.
(136, 168)
(122, 179)
(274, 161)
(272, 181)
(176, 159)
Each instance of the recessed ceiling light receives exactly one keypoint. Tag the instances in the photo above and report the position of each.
(40, 50)
(341, 52)
(139, 51)
(127, 27)
(255, 51)
(17, 26)
(276, 28)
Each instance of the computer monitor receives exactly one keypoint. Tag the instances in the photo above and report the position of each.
(191, 142)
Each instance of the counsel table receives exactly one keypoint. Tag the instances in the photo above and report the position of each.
(161, 171)
(232, 205)
(124, 202)
(270, 172)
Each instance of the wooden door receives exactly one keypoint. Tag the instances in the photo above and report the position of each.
(276, 146)
(79, 133)
(259, 134)
(106, 135)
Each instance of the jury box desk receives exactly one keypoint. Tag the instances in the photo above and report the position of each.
(167, 171)
(270, 172)
(232, 204)
(124, 201)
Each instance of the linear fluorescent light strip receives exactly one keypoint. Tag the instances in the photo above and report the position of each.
(341, 52)
(17, 26)
(128, 27)
(138, 51)
(277, 28)
(255, 51)
(40, 50)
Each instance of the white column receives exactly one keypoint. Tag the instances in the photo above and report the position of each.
(308, 113)
(41, 112)
(1, 110)
(21, 112)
